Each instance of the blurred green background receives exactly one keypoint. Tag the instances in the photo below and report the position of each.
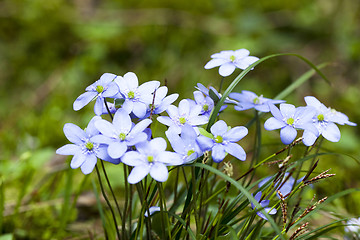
(50, 51)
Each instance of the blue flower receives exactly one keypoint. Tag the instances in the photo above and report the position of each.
(247, 100)
(152, 210)
(182, 115)
(264, 204)
(223, 141)
(85, 151)
(161, 101)
(102, 88)
(215, 96)
(150, 157)
(121, 133)
(206, 103)
(289, 119)
(324, 120)
(137, 98)
(229, 60)
(185, 145)
(285, 188)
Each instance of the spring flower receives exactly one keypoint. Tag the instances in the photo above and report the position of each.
(206, 103)
(224, 141)
(137, 98)
(229, 60)
(85, 151)
(324, 120)
(160, 102)
(152, 210)
(353, 226)
(285, 187)
(288, 119)
(182, 115)
(102, 88)
(247, 100)
(150, 157)
(213, 94)
(264, 204)
(121, 133)
(185, 145)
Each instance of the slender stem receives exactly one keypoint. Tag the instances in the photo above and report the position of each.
(125, 211)
(107, 201)
(164, 209)
(111, 190)
(108, 110)
(221, 84)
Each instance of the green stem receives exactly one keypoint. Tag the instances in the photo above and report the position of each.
(164, 210)
(107, 202)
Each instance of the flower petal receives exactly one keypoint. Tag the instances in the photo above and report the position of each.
(138, 173)
(226, 69)
(273, 123)
(88, 166)
(117, 149)
(331, 132)
(215, 63)
(288, 134)
(68, 149)
(78, 159)
(218, 153)
(159, 172)
(236, 151)
(83, 100)
(235, 134)
(219, 128)
(74, 133)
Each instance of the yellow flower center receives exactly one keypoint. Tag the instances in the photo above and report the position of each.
(232, 58)
(219, 139)
(122, 136)
(150, 159)
(190, 152)
(131, 94)
(206, 107)
(89, 146)
(99, 88)
(290, 121)
(182, 120)
(320, 117)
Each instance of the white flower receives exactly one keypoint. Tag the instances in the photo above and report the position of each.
(229, 60)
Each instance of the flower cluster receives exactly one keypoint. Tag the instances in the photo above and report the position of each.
(128, 138)
(315, 119)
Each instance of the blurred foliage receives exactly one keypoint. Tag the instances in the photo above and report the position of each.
(50, 51)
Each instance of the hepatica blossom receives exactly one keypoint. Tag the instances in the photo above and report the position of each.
(247, 100)
(289, 119)
(185, 145)
(182, 115)
(159, 102)
(150, 157)
(102, 88)
(224, 141)
(137, 98)
(121, 133)
(85, 151)
(264, 204)
(324, 120)
(230, 60)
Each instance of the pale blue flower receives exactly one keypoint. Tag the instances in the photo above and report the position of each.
(121, 133)
(152, 210)
(182, 115)
(150, 157)
(264, 204)
(85, 151)
(247, 100)
(285, 188)
(229, 60)
(206, 103)
(223, 141)
(289, 119)
(185, 145)
(324, 120)
(102, 88)
(137, 98)
(160, 102)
